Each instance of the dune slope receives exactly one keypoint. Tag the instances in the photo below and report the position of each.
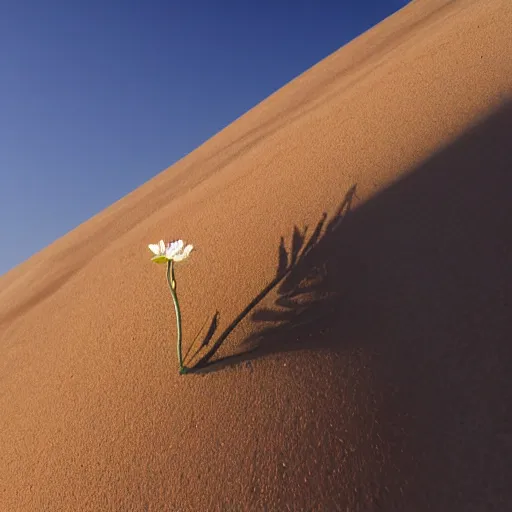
(347, 307)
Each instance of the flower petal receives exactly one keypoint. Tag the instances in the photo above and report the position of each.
(162, 247)
(154, 248)
(185, 253)
(174, 248)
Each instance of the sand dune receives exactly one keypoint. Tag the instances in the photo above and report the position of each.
(351, 287)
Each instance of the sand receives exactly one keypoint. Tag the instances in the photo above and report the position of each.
(350, 291)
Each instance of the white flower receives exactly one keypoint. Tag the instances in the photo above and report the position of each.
(157, 249)
(174, 251)
(178, 251)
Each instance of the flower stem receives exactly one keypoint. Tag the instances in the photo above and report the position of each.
(172, 287)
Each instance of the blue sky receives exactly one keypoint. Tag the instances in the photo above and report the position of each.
(98, 97)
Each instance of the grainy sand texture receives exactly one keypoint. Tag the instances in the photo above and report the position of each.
(350, 297)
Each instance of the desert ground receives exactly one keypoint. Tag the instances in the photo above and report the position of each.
(346, 309)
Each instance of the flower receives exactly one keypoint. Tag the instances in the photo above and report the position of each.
(159, 251)
(174, 251)
(178, 251)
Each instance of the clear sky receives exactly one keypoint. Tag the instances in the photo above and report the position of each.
(99, 96)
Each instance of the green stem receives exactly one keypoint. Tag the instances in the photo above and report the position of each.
(172, 287)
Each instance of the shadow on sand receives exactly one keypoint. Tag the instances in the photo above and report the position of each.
(303, 295)
(420, 278)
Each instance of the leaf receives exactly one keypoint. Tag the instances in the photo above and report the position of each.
(159, 259)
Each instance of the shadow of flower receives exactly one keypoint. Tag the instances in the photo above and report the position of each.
(304, 294)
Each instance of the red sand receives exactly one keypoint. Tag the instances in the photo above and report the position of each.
(381, 375)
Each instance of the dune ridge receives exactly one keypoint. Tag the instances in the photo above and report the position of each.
(350, 286)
